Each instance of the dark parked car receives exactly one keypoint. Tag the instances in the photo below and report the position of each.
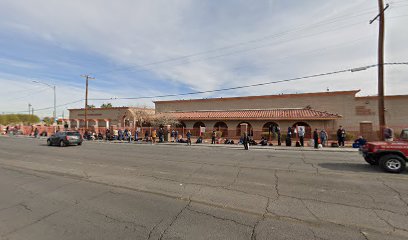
(63, 139)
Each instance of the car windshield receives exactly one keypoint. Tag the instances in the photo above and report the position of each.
(404, 134)
(73, 134)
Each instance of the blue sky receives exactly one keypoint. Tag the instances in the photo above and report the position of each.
(148, 48)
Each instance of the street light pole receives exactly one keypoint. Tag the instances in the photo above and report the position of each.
(54, 114)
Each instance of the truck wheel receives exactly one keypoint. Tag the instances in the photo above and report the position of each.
(62, 144)
(48, 142)
(392, 163)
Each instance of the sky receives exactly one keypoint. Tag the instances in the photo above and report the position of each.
(149, 48)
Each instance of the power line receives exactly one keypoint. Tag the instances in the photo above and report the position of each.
(248, 86)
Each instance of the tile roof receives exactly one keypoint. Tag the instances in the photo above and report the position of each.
(265, 114)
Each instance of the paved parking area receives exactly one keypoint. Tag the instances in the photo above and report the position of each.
(134, 191)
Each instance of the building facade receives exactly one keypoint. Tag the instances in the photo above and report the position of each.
(322, 110)
(108, 117)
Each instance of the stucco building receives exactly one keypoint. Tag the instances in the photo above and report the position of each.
(108, 117)
(322, 110)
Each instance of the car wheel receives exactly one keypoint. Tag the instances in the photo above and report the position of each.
(392, 163)
(79, 144)
(62, 144)
(48, 142)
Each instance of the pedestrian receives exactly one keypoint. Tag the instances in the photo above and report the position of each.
(125, 134)
(129, 136)
(188, 138)
(316, 139)
(341, 136)
(388, 134)
(147, 136)
(289, 137)
(35, 132)
(173, 134)
(115, 134)
(176, 135)
(136, 135)
(245, 141)
(107, 134)
(213, 136)
(323, 137)
(120, 134)
(154, 135)
(301, 133)
(278, 132)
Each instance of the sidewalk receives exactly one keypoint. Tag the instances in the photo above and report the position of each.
(208, 145)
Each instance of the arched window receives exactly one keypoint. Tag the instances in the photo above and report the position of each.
(241, 128)
(196, 128)
(222, 127)
(269, 130)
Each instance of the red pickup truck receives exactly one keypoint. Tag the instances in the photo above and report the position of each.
(391, 156)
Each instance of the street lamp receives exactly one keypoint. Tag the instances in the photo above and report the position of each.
(55, 98)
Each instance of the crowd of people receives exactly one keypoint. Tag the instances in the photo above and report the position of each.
(319, 138)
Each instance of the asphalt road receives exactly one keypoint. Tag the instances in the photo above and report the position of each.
(135, 191)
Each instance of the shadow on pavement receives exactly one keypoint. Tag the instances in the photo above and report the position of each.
(354, 167)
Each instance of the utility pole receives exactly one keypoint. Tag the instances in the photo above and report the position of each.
(87, 77)
(381, 105)
(29, 109)
(32, 111)
(54, 114)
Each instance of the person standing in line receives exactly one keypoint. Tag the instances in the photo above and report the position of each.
(120, 134)
(316, 139)
(129, 136)
(301, 133)
(213, 136)
(173, 133)
(278, 131)
(341, 136)
(176, 136)
(154, 135)
(136, 135)
(323, 137)
(147, 136)
(246, 141)
(188, 137)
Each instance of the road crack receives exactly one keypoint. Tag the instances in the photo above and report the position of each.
(174, 219)
(219, 218)
(397, 192)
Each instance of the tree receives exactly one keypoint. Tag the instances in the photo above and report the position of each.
(91, 106)
(48, 120)
(163, 119)
(106, 105)
(142, 117)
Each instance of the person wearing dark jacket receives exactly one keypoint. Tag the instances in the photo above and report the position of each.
(245, 141)
(341, 136)
(316, 139)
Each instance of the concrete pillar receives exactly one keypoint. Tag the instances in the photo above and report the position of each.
(77, 123)
(107, 123)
